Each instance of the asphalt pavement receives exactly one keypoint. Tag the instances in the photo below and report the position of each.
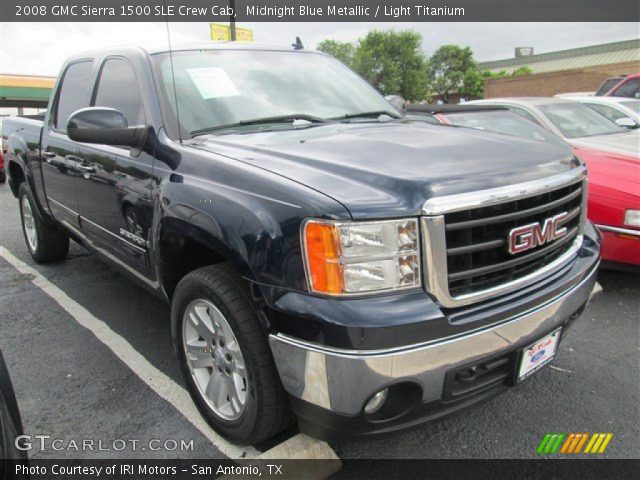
(90, 356)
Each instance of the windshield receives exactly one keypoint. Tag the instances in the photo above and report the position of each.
(506, 122)
(633, 105)
(216, 88)
(575, 120)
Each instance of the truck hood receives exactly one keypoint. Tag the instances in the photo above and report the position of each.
(626, 143)
(391, 169)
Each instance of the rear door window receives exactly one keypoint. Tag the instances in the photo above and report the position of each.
(74, 92)
(609, 112)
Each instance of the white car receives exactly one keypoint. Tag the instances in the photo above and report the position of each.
(574, 122)
(624, 111)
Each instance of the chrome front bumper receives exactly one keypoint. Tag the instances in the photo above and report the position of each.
(342, 381)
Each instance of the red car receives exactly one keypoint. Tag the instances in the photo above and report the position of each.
(614, 204)
(629, 86)
(3, 174)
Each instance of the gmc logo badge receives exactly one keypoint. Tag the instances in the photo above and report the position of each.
(533, 235)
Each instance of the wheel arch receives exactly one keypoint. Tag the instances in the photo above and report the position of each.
(183, 247)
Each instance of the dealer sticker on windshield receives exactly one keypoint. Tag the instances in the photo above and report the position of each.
(538, 354)
(213, 82)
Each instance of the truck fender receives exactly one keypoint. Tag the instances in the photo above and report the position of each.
(16, 159)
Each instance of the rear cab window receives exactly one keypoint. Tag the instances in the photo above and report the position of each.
(74, 92)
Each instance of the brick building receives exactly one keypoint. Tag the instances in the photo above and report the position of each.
(575, 70)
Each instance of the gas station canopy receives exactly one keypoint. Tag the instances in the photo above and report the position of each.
(25, 90)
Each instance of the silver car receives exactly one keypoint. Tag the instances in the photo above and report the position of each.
(574, 122)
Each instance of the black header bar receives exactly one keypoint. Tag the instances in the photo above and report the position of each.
(320, 10)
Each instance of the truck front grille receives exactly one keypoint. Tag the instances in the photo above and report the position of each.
(479, 245)
(477, 240)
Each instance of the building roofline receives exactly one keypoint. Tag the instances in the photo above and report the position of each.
(561, 54)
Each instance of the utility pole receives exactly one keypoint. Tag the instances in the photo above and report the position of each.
(232, 21)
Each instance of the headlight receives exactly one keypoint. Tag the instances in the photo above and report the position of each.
(632, 218)
(357, 257)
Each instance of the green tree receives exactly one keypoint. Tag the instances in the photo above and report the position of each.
(393, 62)
(473, 81)
(343, 51)
(447, 68)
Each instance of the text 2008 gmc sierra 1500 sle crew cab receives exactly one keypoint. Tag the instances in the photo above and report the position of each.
(322, 256)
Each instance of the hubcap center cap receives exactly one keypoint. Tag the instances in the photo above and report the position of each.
(218, 358)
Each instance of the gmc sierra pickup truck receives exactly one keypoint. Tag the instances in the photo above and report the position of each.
(325, 259)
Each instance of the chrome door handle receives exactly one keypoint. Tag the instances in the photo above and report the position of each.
(48, 154)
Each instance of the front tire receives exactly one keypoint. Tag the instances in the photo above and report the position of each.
(225, 358)
(45, 242)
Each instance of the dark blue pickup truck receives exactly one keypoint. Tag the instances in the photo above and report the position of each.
(325, 259)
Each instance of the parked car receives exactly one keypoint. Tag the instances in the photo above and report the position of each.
(623, 111)
(491, 118)
(614, 205)
(3, 174)
(574, 122)
(321, 254)
(629, 87)
(608, 84)
(10, 427)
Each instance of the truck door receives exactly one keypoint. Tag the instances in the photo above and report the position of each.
(115, 184)
(59, 160)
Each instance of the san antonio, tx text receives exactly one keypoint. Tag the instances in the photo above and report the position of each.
(117, 470)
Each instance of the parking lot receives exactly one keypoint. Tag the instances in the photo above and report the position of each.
(90, 356)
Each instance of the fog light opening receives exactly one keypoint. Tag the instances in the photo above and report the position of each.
(376, 402)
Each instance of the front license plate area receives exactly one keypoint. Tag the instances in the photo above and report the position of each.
(538, 354)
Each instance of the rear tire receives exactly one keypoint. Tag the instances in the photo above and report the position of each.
(45, 242)
(3, 176)
(209, 305)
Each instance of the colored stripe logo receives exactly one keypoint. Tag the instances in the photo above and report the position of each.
(573, 443)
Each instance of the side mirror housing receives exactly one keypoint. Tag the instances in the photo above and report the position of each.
(105, 126)
(398, 103)
(626, 122)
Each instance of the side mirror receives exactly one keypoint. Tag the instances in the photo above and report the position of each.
(104, 126)
(626, 122)
(397, 102)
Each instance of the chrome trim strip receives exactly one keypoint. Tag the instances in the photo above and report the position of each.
(84, 219)
(61, 205)
(343, 352)
(153, 284)
(492, 196)
(624, 231)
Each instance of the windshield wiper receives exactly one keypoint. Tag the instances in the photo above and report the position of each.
(375, 114)
(290, 118)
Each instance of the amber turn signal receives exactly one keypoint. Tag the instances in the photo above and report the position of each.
(322, 244)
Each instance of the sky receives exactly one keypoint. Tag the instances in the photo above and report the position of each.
(40, 48)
